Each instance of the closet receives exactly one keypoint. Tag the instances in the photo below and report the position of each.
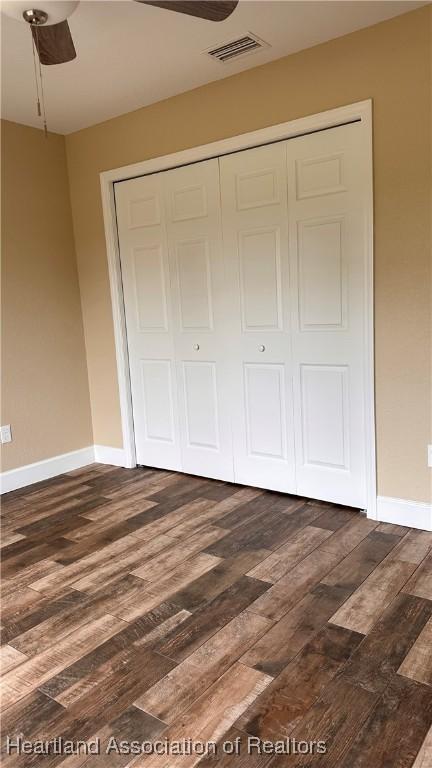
(244, 293)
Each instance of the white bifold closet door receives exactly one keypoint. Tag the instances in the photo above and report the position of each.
(200, 313)
(244, 286)
(294, 227)
(176, 318)
(144, 260)
(327, 173)
(255, 231)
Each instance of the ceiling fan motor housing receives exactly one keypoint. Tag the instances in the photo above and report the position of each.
(35, 16)
(45, 13)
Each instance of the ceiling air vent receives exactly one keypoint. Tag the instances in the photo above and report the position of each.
(241, 46)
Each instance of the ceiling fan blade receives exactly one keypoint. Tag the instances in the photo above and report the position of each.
(54, 43)
(212, 10)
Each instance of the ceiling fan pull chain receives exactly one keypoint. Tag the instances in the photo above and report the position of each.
(41, 85)
(38, 106)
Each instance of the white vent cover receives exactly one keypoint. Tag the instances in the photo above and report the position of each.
(241, 46)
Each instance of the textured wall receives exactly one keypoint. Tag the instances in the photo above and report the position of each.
(45, 394)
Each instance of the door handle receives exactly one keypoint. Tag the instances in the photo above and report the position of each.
(261, 348)
(196, 347)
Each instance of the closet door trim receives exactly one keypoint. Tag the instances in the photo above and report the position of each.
(357, 112)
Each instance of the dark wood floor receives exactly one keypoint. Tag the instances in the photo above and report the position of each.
(147, 605)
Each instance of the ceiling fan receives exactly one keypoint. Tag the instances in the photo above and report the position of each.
(52, 36)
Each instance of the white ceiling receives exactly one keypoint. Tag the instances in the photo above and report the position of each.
(131, 55)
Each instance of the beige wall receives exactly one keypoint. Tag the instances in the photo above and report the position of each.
(45, 395)
(390, 63)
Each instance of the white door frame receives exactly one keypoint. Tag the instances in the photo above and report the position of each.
(359, 112)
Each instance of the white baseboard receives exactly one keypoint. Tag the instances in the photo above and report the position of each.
(44, 470)
(104, 454)
(413, 514)
(58, 465)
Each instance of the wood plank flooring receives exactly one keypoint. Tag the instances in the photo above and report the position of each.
(144, 605)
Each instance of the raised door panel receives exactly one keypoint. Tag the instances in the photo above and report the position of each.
(157, 384)
(325, 416)
(144, 211)
(194, 285)
(254, 216)
(188, 202)
(260, 279)
(327, 217)
(201, 403)
(322, 275)
(147, 301)
(256, 189)
(265, 410)
(150, 289)
(319, 175)
(201, 318)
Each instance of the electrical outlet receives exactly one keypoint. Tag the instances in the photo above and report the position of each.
(429, 455)
(5, 433)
